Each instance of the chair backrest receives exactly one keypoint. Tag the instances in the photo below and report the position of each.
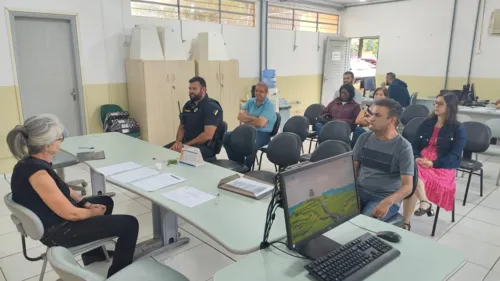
(414, 111)
(220, 132)
(298, 125)
(329, 149)
(312, 112)
(413, 98)
(109, 108)
(277, 125)
(494, 125)
(242, 140)
(284, 150)
(463, 118)
(478, 137)
(64, 264)
(27, 222)
(415, 181)
(410, 130)
(336, 130)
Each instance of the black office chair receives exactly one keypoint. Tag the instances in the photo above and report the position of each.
(242, 140)
(410, 130)
(218, 141)
(328, 149)
(283, 151)
(333, 130)
(312, 113)
(414, 111)
(478, 140)
(273, 133)
(298, 125)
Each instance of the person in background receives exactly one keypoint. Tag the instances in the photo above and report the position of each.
(343, 108)
(260, 113)
(200, 118)
(68, 219)
(497, 104)
(438, 148)
(383, 162)
(349, 80)
(364, 115)
(398, 90)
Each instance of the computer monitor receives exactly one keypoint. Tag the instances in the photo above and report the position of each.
(316, 198)
(369, 83)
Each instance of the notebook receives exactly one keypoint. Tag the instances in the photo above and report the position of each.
(246, 186)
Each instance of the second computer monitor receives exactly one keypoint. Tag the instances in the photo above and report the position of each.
(318, 197)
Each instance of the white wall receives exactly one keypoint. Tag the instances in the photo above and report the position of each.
(414, 37)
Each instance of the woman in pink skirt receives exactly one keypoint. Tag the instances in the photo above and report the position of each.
(438, 148)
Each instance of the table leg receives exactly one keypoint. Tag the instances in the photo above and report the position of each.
(98, 183)
(165, 234)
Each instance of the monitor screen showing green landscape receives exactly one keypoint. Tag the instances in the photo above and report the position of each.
(320, 198)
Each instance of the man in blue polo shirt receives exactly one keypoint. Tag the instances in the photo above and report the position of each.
(260, 113)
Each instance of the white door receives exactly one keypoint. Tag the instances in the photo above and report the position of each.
(335, 64)
(46, 69)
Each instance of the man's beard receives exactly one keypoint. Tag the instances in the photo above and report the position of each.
(196, 97)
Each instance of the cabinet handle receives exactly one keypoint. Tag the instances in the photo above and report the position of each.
(217, 76)
(168, 78)
(173, 87)
(222, 76)
(174, 77)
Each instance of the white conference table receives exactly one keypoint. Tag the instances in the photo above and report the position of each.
(234, 221)
(421, 258)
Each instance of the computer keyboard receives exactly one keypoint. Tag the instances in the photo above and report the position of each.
(354, 261)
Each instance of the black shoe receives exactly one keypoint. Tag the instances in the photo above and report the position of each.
(87, 260)
(420, 211)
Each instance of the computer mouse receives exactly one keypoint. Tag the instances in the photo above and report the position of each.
(389, 236)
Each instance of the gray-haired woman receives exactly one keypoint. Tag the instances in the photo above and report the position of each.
(69, 220)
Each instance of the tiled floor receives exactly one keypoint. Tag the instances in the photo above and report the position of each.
(475, 234)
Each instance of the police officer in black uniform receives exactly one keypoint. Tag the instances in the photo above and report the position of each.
(200, 118)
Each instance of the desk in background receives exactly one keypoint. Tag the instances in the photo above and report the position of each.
(234, 221)
(420, 259)
(479, 114)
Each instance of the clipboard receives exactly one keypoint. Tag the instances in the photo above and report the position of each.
(224, 184)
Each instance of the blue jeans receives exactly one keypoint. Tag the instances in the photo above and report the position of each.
(318, 128)
(262, 139)
(369, 204)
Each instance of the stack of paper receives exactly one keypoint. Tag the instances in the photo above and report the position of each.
(118, 168)
(158, 182)
(135, 175)
(188, 196)
(255, 187)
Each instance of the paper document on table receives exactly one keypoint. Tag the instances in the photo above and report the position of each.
(188, 196)
(255, 187)
(134, 175)
(118, 168)
(158, 182)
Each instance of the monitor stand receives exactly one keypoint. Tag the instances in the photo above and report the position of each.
(317, 247)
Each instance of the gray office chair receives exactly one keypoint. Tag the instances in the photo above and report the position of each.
(283, 151)
(62, 160)
(64, 264)
(328, 149)
(272, 134)
(29, 224)
(333, 130)
(413, 98)
(242, 140)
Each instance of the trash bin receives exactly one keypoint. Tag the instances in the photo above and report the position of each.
(285, 109)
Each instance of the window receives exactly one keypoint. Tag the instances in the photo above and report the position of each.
(218, 11)
(286, 18)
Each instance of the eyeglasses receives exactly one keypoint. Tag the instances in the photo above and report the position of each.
(61, 139)
(438, 104)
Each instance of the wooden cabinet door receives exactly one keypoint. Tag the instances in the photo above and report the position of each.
(210, 71)
(181, 72)
(230, 92)
(159, 103)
